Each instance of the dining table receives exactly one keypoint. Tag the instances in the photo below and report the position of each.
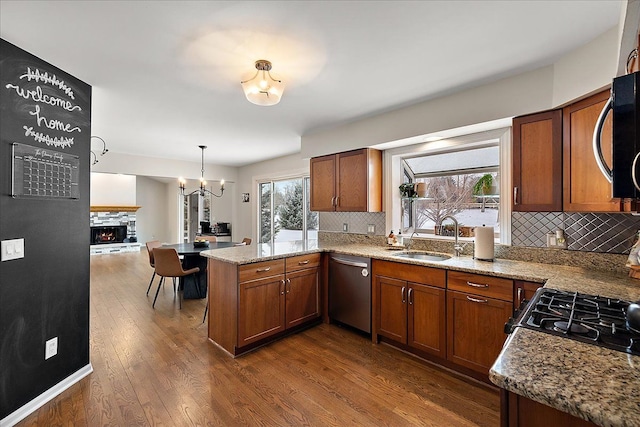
(195, 285)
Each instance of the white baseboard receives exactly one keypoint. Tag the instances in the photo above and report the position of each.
(21, 413)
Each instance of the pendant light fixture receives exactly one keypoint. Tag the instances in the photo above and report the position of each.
(202, 190)
(262, 88)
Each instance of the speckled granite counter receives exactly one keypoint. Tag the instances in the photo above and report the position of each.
(593, 383)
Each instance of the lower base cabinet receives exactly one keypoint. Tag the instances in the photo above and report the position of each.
(260, 309)
(478, 306)
(252, 302)
(519, 411)
(476, 329)
(411, 305)
(457, 317)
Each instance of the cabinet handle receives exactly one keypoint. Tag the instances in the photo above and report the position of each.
(476, 299)
(402, 292)
(262, 270)
(409, 296)
(289, 283)
(515, 195)
(597, 145)
(282, 288)
(337, 201)
(477, 285)
(519, 296)
(305, 262)
(333, 201)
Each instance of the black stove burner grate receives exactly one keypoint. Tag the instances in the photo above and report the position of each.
(588, 318)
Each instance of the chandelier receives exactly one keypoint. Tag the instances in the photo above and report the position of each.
(262, 88)
(202, 190)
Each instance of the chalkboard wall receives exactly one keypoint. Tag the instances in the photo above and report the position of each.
(46, 293)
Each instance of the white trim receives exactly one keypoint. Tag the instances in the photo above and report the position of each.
(30, 407)
(506, 184)
(393, 172)
(271, 176)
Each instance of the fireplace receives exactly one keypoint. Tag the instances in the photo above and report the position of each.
(108, 234)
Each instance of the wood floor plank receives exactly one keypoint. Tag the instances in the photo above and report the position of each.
(156, 367)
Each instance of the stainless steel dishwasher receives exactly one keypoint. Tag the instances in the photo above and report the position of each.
(350, 291)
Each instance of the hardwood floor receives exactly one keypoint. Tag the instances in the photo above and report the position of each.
(156, 367)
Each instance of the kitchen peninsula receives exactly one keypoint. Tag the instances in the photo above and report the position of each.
(589, 382)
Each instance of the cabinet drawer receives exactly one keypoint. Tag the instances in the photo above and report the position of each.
(302, 262)
(488, 286)
(410, 272)
(259, 270)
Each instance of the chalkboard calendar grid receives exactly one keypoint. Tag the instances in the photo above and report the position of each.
(44, 173)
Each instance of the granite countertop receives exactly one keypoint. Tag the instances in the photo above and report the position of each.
(590, 382)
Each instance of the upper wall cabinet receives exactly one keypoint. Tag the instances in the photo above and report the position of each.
(585, 188)
(347, 182)
(537, 162)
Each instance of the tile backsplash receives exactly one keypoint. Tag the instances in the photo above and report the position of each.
(587, 232)
(357, 222)
(612, 233)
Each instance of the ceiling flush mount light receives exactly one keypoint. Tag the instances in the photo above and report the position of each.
(202, 190)
(262, 88)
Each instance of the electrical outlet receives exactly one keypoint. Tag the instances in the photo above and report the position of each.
(51, 348)
(371, 229)
(345, 227)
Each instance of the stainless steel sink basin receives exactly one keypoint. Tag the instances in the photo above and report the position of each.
(423, 256)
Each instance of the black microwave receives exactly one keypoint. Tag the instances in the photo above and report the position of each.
(624, 173)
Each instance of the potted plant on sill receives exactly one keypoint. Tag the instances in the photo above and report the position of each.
(483, 185)
(407, 190)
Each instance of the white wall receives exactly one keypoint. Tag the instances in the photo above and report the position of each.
(167, 168)
(584, 71)
(110, 189)
(248, 176)
(152, 217)
(173, 207)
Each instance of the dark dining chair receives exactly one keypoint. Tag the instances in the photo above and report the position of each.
(150, 247)
(167, 264)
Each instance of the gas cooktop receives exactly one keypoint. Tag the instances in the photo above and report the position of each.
(588, 318)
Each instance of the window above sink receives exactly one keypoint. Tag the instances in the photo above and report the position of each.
(444, 174)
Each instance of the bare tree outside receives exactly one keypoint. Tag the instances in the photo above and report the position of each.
(447, 195)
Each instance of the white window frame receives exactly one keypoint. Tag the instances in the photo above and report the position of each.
(393, 173)
(258, 180)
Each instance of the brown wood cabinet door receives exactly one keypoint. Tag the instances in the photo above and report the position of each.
(260, 309)
(523, 412)
(475, 329)
(427, 320)
(523, 291)
(323, 183)
(392, 308)
(537, 162)
(585, 188)
(352, 178)
(302, 296)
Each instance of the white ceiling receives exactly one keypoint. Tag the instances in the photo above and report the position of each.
(166, 74)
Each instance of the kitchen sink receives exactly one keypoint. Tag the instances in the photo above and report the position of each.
(425, 256)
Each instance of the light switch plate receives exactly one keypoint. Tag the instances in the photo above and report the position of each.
(371, 229)
(345, 227)
(12, 249)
